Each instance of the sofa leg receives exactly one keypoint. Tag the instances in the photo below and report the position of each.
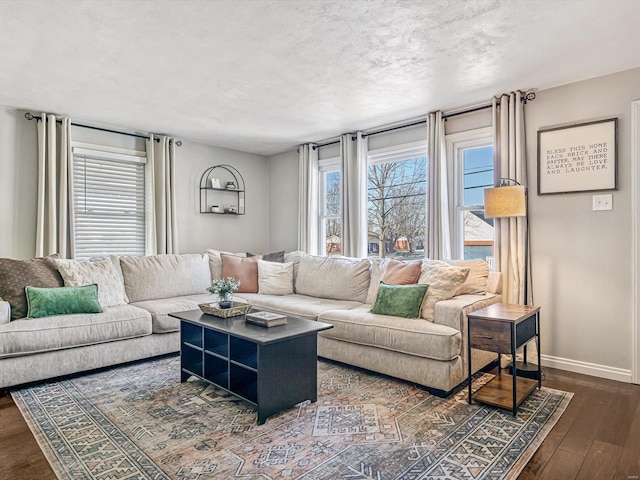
(4, 392)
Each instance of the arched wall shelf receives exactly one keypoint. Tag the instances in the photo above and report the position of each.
(220, 196)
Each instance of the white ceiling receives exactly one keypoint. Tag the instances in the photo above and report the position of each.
(264, 76)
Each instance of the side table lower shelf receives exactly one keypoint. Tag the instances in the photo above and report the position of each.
(499, 391)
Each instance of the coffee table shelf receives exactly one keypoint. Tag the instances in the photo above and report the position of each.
(271, 368)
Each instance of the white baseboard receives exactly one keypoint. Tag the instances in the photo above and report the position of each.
(595, 370)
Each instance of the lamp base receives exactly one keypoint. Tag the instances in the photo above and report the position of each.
(527, 370)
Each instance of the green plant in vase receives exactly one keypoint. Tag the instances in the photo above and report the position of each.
(224, 288)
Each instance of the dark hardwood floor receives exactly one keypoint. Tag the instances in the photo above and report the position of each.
(597, 437)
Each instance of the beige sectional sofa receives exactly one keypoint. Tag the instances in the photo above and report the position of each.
(338, 291)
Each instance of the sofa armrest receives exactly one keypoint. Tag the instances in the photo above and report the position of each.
(494, 282)
(453, 312)
(5, 312)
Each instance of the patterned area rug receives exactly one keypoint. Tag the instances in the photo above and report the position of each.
(139, 422)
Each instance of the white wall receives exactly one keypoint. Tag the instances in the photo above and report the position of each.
(581, 258)
(18, 190)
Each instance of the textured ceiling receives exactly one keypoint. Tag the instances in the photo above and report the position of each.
(264, 76)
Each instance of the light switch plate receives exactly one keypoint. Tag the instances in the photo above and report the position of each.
(603, 202)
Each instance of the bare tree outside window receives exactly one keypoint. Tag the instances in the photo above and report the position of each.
(397, 208)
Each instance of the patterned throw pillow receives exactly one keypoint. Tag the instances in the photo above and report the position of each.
(478, 279)
(443, 280)
(103, 273)
(399, 300)
(44, 302)
(15, 275)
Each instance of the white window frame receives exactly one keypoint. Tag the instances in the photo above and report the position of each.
(325, 166)
(102, 153)
(456, 144)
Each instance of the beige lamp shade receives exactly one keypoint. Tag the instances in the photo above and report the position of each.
(505, 202)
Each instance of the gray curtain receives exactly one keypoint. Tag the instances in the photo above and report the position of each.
(438, 232)
(353, 154)
(54, 228)
(510, 162)
(308, 199)
(162, 225)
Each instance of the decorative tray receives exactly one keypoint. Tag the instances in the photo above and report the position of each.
(238, 308)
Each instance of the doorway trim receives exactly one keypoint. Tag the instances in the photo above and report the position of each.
(635, 243)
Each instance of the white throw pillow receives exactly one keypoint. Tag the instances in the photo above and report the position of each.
(275, 278)
(443, 280)
(77, 273)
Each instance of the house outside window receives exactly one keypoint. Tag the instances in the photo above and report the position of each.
(396, 201)
(472, 155)
(330, 188)
(109, 206)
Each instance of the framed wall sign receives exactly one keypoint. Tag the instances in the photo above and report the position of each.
(578, 158)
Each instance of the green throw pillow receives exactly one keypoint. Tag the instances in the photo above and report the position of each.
(44, 302)
(400, 300)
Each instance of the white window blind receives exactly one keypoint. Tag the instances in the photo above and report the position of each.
(108, 203)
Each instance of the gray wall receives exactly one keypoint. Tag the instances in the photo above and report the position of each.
(18, 190)
(581, 258)
(283, 201)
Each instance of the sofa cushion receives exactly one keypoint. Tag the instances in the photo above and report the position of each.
(35, 335)
(15, 275)
(443, 280)
(423, 339)
(161, 308)
(163, 276)
(103, 273)
(43, 302)
(242, 269)
(336, 278)
(294, 257)
(399, 300)
(275, 278)
(477, 280)
(296, 305)
(215, 261)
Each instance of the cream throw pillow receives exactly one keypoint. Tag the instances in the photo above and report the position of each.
(275, 278)
(443, 280)
(478, 276)
(77, 273)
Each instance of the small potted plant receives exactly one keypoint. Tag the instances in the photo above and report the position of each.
(224, 288)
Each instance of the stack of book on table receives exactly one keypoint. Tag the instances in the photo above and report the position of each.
(266, 319)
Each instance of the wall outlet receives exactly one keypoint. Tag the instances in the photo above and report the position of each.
(603, 202)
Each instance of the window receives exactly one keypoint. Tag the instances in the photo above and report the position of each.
(472, 156)
(330, 207)
(108, 202)
(396, 201)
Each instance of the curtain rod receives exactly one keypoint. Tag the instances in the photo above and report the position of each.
(31, 116)
(315, 147)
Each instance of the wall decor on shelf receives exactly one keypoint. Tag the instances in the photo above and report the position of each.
(578, 158)
(222, 191)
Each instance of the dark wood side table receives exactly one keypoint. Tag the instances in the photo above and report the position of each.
(503, 329)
